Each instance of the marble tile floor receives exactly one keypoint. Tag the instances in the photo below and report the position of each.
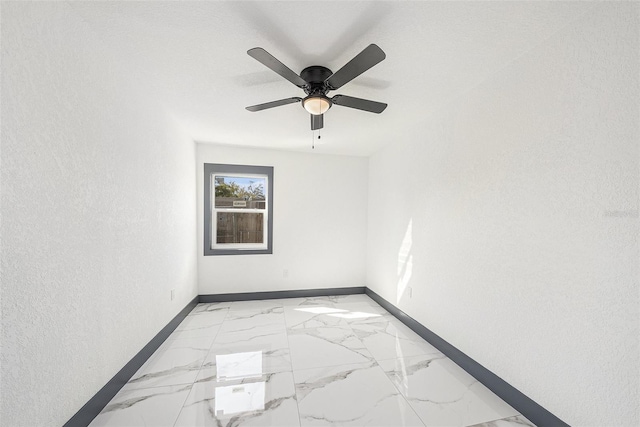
(322, 361)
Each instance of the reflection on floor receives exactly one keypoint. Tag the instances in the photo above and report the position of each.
(322, 361)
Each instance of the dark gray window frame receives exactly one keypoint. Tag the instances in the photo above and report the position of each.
(211, 168)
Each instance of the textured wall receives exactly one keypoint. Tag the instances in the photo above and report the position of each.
(98, 214)
(319, 228)
(508, 224)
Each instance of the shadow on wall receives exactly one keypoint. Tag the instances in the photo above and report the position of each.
(405, 263)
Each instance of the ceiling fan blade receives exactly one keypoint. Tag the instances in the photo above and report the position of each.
(272, 104)
(359, 103)
(264, 57)
(317, 122)
(366, 59)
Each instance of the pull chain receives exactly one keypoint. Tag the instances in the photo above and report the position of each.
(313, 138)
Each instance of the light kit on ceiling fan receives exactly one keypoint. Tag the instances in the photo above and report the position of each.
(316, 81)
(316, 105)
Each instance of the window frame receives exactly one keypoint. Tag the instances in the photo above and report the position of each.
(213, 169)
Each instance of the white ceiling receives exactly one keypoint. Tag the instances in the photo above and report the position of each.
(194, 56)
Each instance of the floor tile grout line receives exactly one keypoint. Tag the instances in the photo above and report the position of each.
(393, 384)
(438, 355)
(200, 369)
(293, 378)
(466, 391)
(333, 304)
(288, 349)
(212, 342)
(183, 403)
(375, 364)
(336, 365)
(402, 395)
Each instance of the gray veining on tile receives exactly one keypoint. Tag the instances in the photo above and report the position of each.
(265, 400)
(255, 305)
(256, 320)
(518, 421)
(326, 346)
(201, 325)
(306, 317)
(391, 340)
(444, 394)
(175, 362)
(351, 395)
(235, 355)
(157, 406)
(210, 307)
(304, 301)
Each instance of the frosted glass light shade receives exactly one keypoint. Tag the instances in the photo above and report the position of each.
(316, 105)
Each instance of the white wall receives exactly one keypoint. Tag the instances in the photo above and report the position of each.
(319, 224)
(513, 217)
(98, 215)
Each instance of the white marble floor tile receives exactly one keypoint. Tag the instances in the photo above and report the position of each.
(305, 301)
(236, 356)
(354, 364)
(175, 362)
(256, 305)
(210, 307)
(329, 300)
(201, 325)
(314, 316)
(391, 340)
(378, 317)
(340, 299)
(356, 300)
(443, 394)
(265, 400)
(156, 407)
(325, 346)
(351, 395)
(360, 312)
(518, 421)
(254, 321)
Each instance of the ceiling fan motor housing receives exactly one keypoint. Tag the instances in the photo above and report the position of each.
(316, 89)
(315, 74)
(315, 77)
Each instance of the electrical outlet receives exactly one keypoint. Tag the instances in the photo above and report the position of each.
(173, 294)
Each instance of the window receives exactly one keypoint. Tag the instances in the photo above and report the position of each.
(238, 209)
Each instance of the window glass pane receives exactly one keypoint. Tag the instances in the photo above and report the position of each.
(239, 227)
(240, 192)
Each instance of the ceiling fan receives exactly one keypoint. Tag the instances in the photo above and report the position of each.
(316, 81)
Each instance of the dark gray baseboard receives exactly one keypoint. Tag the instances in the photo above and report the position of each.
(304, 293)
(96, 404)
(520, 402)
